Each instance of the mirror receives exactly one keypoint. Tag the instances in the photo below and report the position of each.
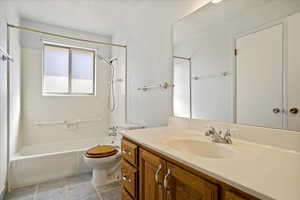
(238, 61)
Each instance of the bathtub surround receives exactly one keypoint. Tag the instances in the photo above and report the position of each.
(36, 108)
(2, 194)
(3, 105)
(70, 188)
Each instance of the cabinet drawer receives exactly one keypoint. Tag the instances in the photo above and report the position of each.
(129, 178)
(125, 195)
(129, 152)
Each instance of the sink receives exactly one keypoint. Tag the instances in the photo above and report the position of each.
(202, 148)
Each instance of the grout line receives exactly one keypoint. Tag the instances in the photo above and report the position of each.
(36, 192)
(66, 188)
(99, 194)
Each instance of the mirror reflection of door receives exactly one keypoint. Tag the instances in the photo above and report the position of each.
(293, 71)
(260, 85)
(259, 78)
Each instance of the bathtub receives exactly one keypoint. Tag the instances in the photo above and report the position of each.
(34, 164)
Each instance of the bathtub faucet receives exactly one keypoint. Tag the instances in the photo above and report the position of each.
(113, 131)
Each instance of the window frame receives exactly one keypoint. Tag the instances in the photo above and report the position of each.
(70, 48)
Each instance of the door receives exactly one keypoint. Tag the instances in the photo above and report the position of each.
(182, 185)
(259, 78)
(293, 90)
(152, 169)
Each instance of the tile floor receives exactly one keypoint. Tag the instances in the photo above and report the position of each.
(71, 188)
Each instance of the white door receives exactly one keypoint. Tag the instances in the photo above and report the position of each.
(293, 89)
(259, 78)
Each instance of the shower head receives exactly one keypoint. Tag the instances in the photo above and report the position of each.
(106, 61)
(112, 60)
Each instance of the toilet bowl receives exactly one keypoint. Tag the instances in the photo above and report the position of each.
(102, 159)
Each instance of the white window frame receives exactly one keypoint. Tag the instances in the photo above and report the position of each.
(70, 48)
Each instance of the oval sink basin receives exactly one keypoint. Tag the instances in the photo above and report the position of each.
(202, 148)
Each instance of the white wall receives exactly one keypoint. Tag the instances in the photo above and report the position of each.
(212, 94)
(148, 35)
(9, 15)
(15, 83)
(3, 102)
(37, 108)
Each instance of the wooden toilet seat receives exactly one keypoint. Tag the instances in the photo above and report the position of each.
(101, 151)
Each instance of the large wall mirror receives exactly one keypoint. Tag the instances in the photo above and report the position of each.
(239, 61)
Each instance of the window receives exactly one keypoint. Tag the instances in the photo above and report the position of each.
(68, 70)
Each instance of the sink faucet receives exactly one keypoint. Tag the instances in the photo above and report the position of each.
(219, 137)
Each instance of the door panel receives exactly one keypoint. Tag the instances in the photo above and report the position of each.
(152, 169)
(293, 71)
(259, 78)
(182, 185)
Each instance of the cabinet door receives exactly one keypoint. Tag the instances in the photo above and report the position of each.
(182, 185)
(152, 170)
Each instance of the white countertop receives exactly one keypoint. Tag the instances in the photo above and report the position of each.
(263, 171)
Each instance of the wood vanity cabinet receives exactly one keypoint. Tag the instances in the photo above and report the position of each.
(151, 171)
(148, 175)
(181, 184)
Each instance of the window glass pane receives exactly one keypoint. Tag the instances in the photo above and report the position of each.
(82, 71)
(56, 69)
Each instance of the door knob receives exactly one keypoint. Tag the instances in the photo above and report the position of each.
(294, 110)
(276, 110)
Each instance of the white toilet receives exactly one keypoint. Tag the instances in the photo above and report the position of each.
(102, 159)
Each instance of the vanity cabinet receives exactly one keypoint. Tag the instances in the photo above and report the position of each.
(181, 184)
(153, 176)
(151, 171)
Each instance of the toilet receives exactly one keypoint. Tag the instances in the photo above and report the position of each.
(101, 159)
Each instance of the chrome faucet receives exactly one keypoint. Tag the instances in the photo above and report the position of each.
(218, 137)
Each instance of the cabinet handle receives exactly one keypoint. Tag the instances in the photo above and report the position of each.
(157, 174)
(126, 179)
(294, 110)
(276, 110)
(126, 152)
(166, 179)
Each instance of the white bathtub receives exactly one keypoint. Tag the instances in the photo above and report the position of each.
(44, 162)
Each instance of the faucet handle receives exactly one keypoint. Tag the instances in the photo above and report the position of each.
(210, 130)
(227, 133)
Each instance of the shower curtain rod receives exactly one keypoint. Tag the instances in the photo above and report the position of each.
(64, 36)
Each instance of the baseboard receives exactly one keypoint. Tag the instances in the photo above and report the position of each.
(2, 193)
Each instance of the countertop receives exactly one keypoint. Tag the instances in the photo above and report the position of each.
(265, 172)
